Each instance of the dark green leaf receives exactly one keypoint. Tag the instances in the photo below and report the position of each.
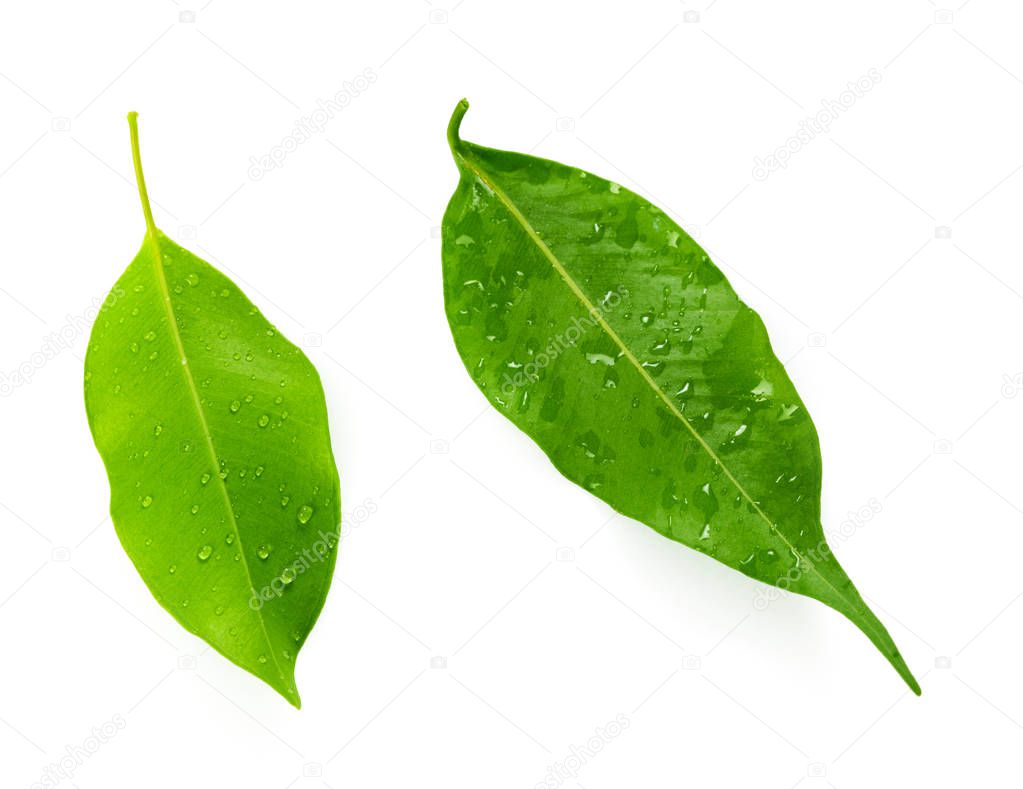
(601, 329)
(213, 429)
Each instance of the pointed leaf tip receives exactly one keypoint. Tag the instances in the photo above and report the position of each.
(911, 681)
(903, 670)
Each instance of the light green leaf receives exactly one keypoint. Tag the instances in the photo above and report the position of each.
(213, 429)
(601, 329)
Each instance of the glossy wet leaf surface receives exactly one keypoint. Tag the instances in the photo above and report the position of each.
(213, 429)
(600, 328)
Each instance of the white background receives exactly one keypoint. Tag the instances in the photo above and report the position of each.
(544, 616)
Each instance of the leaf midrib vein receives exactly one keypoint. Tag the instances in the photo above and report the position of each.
(207, 434)
(627, 352)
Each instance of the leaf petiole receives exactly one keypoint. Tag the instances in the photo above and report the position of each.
(136, 157)
(456, 121)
